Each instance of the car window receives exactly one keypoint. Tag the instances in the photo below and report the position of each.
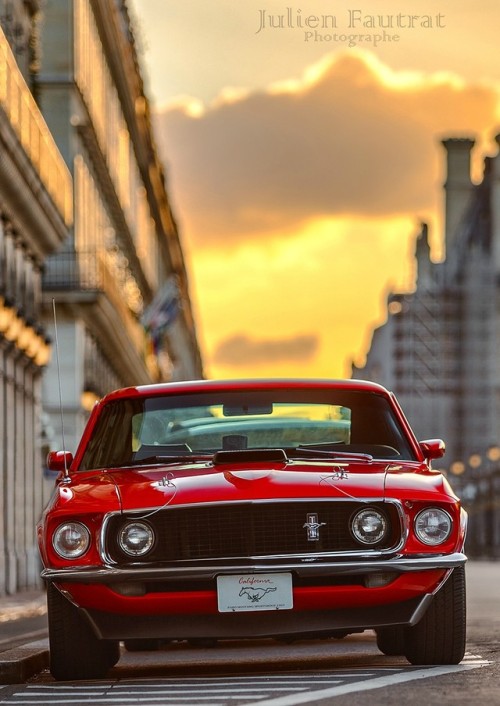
(129, 430)
(221, 426)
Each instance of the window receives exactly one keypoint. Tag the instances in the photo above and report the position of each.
(137, 428)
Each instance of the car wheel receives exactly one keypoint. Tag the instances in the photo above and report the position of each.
(390, 641)
(112, 652)
(75, 652)
(439, 638)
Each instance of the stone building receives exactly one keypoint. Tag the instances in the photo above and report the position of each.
(122, 266)
(35, 217)
(438, 350)
(87, 239)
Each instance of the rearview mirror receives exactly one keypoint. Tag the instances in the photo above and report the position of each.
(59, 460)
(246, 409)
(433, 448)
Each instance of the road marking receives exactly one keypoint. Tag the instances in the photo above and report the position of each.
(134, 700)
(178, 690)
(377, 683)
(221, 691)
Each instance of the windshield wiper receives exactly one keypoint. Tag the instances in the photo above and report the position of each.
(315, 451)
(164, 459)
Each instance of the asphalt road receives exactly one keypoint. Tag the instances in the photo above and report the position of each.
(349, 672)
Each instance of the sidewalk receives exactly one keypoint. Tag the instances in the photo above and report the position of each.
(20, 658)
(22, 605)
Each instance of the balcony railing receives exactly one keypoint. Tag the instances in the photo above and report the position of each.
(32, 131)
(72, 271)
(92, 272)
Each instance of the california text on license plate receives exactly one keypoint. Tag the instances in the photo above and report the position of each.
(250, 592)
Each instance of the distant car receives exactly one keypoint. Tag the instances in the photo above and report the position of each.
(282, 509)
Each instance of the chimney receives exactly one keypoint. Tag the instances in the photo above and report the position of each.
(423, 263)
(458, 185)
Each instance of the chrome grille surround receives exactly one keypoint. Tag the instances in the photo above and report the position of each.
(256, 529)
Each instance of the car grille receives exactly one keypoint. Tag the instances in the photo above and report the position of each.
(239, 530)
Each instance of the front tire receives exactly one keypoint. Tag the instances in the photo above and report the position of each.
(390, 641)
(75, 652)
(439, 637)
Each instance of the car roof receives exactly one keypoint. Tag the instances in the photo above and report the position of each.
(246, 384)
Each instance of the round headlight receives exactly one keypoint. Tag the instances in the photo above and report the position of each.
(369, 526)
(433, 526)
(71, 540)
(136, 538)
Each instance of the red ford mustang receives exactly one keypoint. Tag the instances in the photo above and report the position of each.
(244, 509)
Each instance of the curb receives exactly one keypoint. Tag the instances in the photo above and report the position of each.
(21, 663)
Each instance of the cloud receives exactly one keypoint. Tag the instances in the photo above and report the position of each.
(241, 350)
(330, 280)
(351, 137)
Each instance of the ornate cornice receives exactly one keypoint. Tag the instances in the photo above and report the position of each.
(25, 199)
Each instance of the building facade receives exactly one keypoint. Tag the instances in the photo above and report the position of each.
(94, 292)
(119, 284)
(35, 219)
(438, 350)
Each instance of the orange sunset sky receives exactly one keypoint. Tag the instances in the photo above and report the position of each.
(300, 167)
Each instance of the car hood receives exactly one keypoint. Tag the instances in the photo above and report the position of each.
(180, 484)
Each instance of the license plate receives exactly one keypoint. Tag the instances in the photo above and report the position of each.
(251, 592)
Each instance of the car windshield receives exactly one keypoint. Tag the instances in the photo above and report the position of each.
(315, 421)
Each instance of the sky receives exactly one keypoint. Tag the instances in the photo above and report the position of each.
(302, 148)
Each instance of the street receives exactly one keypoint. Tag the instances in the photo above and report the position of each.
(274, 674)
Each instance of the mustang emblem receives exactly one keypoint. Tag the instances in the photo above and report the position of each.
(255, 594)
(312, 525)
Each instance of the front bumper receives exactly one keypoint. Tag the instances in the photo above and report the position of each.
(279, 623)
(107, 574)
(324, 608)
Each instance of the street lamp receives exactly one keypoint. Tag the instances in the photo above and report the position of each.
(475, 460)
(493, 453)
(457, 468)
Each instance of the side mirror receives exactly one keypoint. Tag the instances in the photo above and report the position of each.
(433, 448)
(59, 460)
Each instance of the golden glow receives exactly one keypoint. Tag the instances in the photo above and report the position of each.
(42, 355)
(34, 346)
(88, 400)
(396, 80)
(229, 94)
(32, 131)
(493, 453)
(395, 308)
(286, 286)
(434, 83)
(7, 315)
(457, 468)
(193, 107)
(140, 106)
(24, 337)
(15, 328)
(475, 460)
